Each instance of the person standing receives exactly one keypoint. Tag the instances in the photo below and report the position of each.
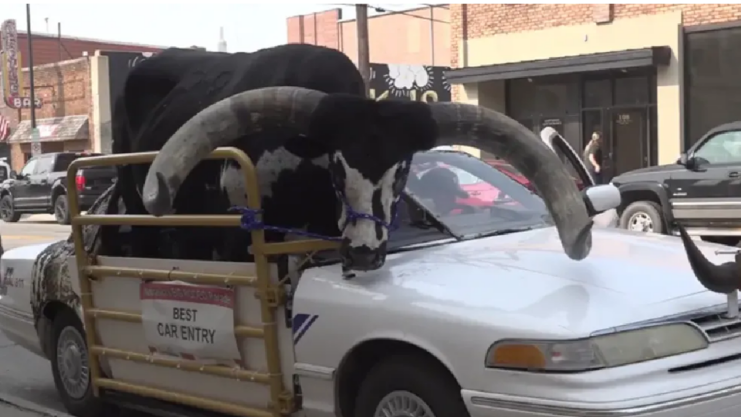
(593, 157)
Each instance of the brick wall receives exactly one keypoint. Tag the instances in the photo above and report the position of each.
(399, 38)
(470, 21)
(47, 49)
(319, 28)
(65, 90)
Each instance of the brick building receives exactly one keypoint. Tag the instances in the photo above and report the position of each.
(399, 37)
(75, 95)
(48, 48)
(652, 78)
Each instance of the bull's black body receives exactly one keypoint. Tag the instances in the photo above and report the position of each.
(164, 92)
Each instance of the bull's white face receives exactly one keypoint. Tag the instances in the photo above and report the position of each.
(364, 240)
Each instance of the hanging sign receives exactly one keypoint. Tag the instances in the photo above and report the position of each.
(194, 322)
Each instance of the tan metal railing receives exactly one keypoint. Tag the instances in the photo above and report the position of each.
(271, 296)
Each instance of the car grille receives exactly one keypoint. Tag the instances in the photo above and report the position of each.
(718, 327)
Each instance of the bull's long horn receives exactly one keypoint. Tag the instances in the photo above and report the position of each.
(486, 129)
(219, 125)
(724, 278)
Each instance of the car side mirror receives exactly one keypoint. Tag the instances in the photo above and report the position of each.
(13, 175)
(682, 160)
(600, 198)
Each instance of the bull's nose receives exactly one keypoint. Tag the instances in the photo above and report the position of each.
(361, 258)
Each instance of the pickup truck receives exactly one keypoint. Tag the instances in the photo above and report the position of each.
(700, 191)
(41, 187)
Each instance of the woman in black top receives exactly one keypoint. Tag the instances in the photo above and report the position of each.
(593, 157)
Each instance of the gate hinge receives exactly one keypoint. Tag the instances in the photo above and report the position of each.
(275, 296)
(286, 404)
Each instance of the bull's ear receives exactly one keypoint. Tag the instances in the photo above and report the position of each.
(410, 123)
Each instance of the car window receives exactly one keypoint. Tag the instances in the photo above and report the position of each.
(43, 166)
(465, 178)
(28, 169)
(497, 202)
(64, 159)
(723, 148)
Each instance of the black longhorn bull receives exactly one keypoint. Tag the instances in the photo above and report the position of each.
(364, 144)
(325, 154)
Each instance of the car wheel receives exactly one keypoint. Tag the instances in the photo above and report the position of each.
(409, 385)
(642, 216)
(61, 209)
(70, 367)
(722, 240)
(7, 212)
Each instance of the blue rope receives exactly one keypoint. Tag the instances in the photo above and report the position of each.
(249, 222)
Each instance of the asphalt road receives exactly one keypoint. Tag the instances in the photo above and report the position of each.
(23, 374)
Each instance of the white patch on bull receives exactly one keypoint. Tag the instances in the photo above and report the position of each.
(359, 193)
(268, 167)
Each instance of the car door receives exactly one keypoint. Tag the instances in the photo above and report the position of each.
(709, 194)
(568, 156)
(22, 185)
(40, 187)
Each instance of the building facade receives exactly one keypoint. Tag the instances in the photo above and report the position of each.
(75, 95)
(412, 36)
(651, 78)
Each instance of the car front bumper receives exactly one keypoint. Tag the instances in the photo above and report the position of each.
(719, 402)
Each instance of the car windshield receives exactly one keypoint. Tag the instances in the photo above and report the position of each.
(63, 160)
(452, 196)
(471, 198)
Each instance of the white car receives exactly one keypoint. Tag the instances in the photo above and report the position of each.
(476, 314)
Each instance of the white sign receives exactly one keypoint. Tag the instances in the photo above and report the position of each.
(194, 322)
(35, 148)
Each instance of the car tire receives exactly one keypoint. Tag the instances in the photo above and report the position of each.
(643, 211)
(61, 209)
(402, 384)
(8, 214)
(69, 366)
(722, 240)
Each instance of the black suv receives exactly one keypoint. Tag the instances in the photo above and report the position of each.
(701, 191)
(41, 187)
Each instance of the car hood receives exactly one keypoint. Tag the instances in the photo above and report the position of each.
(648, 173)
(628, 277)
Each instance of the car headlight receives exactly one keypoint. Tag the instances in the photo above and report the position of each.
(601, 351)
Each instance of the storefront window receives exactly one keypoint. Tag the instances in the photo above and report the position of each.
(632, 90)
(597, 93)
(713, 85)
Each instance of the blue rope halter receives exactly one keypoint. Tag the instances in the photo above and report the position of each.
(249, 221)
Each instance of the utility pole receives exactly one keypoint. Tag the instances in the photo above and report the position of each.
(432, 35)
(361, 16)
(30, 65)
(35, 144)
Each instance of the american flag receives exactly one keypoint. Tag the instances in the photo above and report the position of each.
(4, 128)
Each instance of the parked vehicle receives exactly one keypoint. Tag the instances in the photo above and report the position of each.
(333, 346)
(5, 169)
(41, 187)
(701, 191)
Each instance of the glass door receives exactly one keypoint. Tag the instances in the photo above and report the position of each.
(629, 138)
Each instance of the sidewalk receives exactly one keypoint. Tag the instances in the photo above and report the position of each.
(16, 407)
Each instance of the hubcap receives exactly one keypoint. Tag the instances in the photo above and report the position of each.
(402, 404)
(640, 222)
(72, 362)
(61, 209)
(5, 209)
